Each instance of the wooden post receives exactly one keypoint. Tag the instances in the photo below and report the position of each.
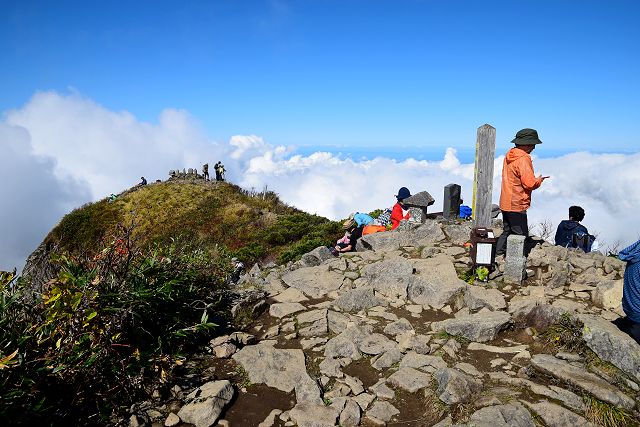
(483, 176)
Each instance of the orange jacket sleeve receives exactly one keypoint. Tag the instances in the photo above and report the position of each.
(527, 177)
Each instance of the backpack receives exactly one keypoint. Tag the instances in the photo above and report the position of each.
(582, 240)
(384, 218)
(465, 212)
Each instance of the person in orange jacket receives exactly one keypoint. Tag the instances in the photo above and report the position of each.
(518, 181)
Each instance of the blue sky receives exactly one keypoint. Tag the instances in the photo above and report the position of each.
(397, 76)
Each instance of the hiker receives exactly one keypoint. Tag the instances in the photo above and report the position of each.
(355, 232)
(518, 181)
(222, 171)
(361, 218)
(631, 292)
(216, 168)
(572, 234)
(143, 181)
(238, 269)
(205, 171)
(400, 211)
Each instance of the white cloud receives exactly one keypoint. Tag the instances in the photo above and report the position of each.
(66, 150)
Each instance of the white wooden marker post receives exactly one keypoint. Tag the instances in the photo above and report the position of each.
(483, 176)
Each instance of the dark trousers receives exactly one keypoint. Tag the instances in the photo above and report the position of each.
(513, 223)
(629, 327)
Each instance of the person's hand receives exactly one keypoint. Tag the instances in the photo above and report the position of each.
(542, 178)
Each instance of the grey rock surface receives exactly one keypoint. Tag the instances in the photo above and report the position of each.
(358, 299)
(315, 282)
(314, 415)
(389, 277)
(409, 379)
(205, 404)
(513, 415)
(478, 327)
(611, 344)
(579, 377)
(455, 386)
(279, 368)
(556, 416)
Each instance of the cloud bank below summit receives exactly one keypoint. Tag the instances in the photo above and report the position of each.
(66, 150)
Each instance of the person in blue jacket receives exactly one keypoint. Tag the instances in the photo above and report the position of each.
(631, 292)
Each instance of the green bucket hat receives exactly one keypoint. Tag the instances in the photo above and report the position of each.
(527, 137)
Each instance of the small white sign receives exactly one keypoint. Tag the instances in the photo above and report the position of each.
(490, 234)
(483, 253)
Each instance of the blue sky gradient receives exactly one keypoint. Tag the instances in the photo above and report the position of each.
(395, 76)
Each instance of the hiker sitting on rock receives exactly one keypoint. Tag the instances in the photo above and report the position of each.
(355, 232)
(631, 292)
(518, 181)
(143, 181)
(572, 234)
(400, 211)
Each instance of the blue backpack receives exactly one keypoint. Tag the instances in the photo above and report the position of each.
(465, 211)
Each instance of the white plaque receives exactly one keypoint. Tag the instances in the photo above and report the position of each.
(483, 253)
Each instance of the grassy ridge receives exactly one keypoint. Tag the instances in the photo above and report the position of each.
(251, 226)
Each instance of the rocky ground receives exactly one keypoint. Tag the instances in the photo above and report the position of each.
(390, 335)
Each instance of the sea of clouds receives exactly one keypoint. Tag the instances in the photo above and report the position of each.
(61, 151)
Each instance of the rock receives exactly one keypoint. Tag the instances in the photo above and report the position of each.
(409, 379)
(313, 415)
(455, 386)
(375, 344)
(206, 403)
(420, 200)
(347, 342)
(398, 327)
(567, 397)
(387, 359)
(283, 309)
(316, 320)
(271, 332)
(358, 299)
(247, 306)
(495, 349)
(331, 368)
(458, 234)
(364, 400)
(315, 282)
(611, 344)
(579, 377)
(477, 297)
(381, 390)
(337, 322)
(271, 418)
(513, 415)
(354, 384)
(533, 312)
(469, 369)
(422, 362)
(382, 411)
(389, 277)
(475, 327)
(608, 294)
(412, 341)
(279, 368)
(242, 338)
(350, 415)
(290, 295)
(224, 351)
(410, 234)
(172, 420)
(316, 256)
(556, 416)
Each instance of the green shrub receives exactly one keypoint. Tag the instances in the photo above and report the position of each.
(107, 328)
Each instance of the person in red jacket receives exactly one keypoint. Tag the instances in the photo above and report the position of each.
(400, 211)
(518, 181)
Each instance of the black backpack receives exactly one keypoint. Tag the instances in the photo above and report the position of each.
(582, 240)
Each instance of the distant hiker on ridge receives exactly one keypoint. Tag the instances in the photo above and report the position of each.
(222, 171)
(518, 181)
(143, 181)
(216, 168)
(205, 171)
